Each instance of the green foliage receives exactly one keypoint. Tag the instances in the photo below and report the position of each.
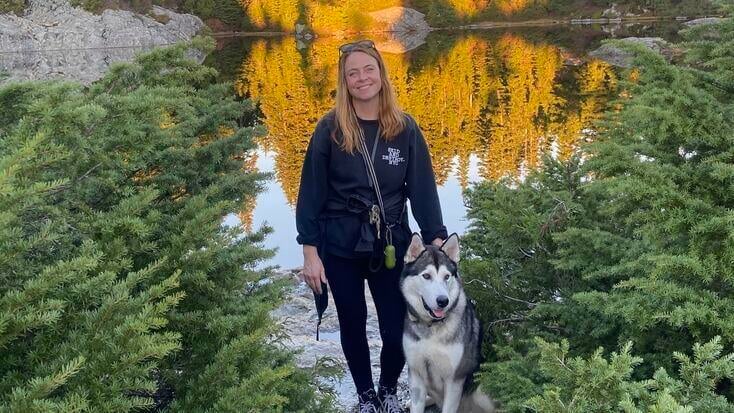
(13, 6)
(119, 287)
(97, 6)
(228, 11)
(596, 384)
(634, 244)
(90, 5)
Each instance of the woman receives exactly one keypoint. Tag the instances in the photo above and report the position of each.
(343, 234)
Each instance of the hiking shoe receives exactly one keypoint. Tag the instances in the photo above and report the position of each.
(368, 402)
(368, 407)
(390, 404)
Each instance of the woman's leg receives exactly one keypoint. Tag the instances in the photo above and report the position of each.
(346, 282)
(390, 305)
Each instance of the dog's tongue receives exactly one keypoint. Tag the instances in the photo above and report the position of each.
(438, 312)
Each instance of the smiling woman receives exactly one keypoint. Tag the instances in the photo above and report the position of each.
(351, 214)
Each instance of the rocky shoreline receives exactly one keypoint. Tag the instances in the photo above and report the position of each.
(55, 40)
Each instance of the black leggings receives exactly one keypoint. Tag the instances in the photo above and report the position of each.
(346, 281)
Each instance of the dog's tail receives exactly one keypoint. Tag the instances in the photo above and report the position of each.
(477, 401)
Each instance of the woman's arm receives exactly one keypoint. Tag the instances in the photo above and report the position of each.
(312, 195)
(421, 189)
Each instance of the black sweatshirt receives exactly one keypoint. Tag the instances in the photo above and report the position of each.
(330, 176)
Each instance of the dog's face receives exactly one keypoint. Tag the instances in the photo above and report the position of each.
(430, 281)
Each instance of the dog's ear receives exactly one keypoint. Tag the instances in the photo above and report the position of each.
(415, 248)
(451, 247)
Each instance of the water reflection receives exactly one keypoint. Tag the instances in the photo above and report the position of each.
(505, 101)
(489, 108)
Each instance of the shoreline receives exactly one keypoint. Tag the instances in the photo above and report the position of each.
(579, 21)
(486, 25)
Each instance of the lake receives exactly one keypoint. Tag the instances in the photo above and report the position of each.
(490, 103)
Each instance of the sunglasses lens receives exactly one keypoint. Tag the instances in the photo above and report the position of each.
(346, 48)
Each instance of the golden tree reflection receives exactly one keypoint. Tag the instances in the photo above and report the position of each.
(447, 99)
(596, 81)
(291, 98)
(246, 215)
(501, 101)
(523, 105)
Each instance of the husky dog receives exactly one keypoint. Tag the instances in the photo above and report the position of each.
(442, 334)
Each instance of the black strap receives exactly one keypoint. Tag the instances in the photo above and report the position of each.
(369, 166)
(372, 178)
(374, 145)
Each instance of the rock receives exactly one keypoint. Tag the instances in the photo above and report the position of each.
(56, 40)
(622, 58)
(612, 12)
(185, 26)
(47, 5)
(303, 33)
(703, 21)
(400, 19)
(405, 29)
(401, 42)
(570, 59)
(709, 31)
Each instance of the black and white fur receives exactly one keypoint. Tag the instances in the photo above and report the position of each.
(442, 335)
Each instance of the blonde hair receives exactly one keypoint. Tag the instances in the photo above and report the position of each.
(390, 116)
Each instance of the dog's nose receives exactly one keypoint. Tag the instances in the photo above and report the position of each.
(442, 301)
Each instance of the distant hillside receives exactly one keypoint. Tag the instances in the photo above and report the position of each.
(328, 16)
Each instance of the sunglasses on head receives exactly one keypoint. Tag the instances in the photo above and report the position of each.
(361, 44)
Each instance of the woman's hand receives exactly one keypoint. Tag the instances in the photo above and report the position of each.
(313, 269)
(438, 242)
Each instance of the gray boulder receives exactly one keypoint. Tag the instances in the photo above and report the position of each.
(403, 29)
(55, 40)
(707, 29)
(401, 42)
(703, 21)
(400, 19)
(622, 58)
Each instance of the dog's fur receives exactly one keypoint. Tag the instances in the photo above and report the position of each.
(442, 334)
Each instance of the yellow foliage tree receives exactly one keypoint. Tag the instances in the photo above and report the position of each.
(272, 14)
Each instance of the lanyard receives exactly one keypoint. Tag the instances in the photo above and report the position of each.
(374, 146)
(369, 166)
(389, 252)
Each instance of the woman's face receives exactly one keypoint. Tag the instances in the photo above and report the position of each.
(363, 76)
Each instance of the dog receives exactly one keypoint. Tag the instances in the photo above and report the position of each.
(442, 334)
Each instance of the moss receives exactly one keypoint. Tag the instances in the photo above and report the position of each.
(12, 6)
(98, 6)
